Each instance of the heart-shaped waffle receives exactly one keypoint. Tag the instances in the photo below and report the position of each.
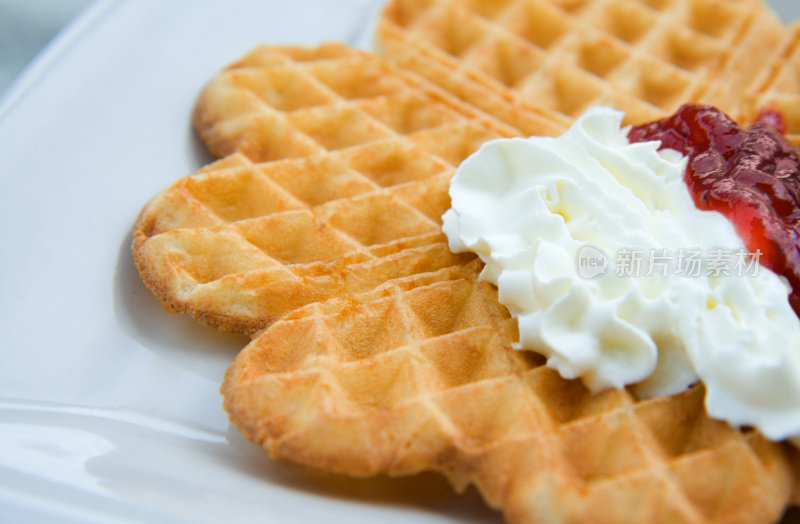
(367, 152)
(411, 377)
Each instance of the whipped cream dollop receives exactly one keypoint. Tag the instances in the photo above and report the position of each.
(535, 209)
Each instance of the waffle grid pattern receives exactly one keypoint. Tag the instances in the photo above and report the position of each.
(398, 385)
(646, 57)
(778, 85)
(357, 200)
(381, 353)
(292, 103)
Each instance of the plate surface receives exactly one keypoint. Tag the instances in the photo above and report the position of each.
(109, 406)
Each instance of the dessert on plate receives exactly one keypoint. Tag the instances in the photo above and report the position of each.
(376, 348)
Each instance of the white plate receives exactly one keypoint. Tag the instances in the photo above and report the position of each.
(109, 407)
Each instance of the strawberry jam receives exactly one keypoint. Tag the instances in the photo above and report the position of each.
(749, 175)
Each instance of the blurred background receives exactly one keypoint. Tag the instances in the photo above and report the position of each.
(26, 26)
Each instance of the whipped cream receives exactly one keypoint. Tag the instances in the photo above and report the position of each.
(529, 206)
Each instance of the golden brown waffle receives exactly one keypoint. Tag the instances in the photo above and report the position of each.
(420, 375)
(778, 85)
(368, 154)
(384, 354)
(646, 57)
(291, 102)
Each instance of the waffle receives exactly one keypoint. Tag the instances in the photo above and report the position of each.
(293, 102)
(360, 157)
(646, 57)
(379, 352)
(417, 376)
(778, 85)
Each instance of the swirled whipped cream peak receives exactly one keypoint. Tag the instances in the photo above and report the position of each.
(588, 238)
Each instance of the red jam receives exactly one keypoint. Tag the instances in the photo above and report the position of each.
(749, 175)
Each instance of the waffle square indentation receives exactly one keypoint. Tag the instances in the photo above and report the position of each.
(240, 193)
(295, 237)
